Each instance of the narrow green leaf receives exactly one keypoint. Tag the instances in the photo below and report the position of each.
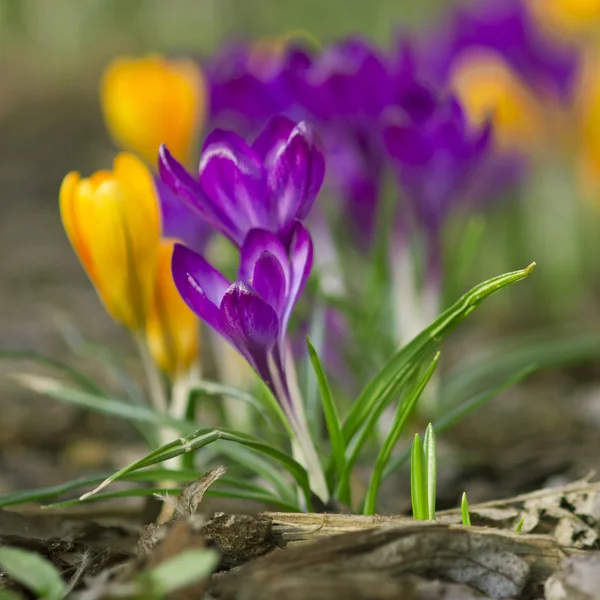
(385, 381)
(332, 417)
(80, 379)
(262, 497)
(265, 406)
(431, 468)
(256, 463)
(33, 571)
(360, 439)
(418, 485)
(100, 403)
(202, 438)
(460, 412)
(464, 510)
(187, 568)
(403, 411)
(520, 524)
(545, 350)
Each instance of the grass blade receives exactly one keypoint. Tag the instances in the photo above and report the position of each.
(332, 417)
(202, 438)
(545, 350)
(418, 484)
(431, 469)
(80, 379)
(182, 570)
(256, 463)
(520, 524)
(402, 413)
(464, 511)
(33, 571)
(268, 402)
(460, 412)
(385, 381)
(100, 403)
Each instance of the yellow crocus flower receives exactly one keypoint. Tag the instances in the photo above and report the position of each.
(567, 17)
(172, 328)
(488, 87)
(112, 220)
(150, 101)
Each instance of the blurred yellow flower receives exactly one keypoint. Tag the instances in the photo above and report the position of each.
(112, 220)
(567, 17)
(488, 88)
(172, 328)
(588, 113)
(150, 101)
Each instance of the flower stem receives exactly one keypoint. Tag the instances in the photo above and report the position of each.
(158, 396)
(304, 449)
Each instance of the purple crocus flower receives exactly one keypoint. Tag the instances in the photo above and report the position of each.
(179, 222)
(246, 86)
(508, 28)
(266, 185)
(436, 160)
(253, 312)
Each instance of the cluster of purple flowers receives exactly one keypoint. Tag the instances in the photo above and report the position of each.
(374, 112)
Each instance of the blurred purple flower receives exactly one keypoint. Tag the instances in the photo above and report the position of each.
(246, 87)
(266, 185)
(252, 313)
(436, 160)
(508, 28)
(179, 222)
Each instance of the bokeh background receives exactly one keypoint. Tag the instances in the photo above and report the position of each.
(52, 54)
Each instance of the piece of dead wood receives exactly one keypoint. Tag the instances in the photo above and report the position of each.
(571, 514)
(499, 564)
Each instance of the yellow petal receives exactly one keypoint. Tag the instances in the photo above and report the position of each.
(172, 331)
(112, 221)
(567, 17)
(149, 101)
(489, 88)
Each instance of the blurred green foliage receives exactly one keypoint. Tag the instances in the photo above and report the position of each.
(63, 36)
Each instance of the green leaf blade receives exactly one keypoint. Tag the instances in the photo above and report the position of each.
(332, 417)
(32, 571)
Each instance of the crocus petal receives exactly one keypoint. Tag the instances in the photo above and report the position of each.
(274, 135)
(112, 220)
(151, 100)
(296, 175)
(301, 259)
(172, 329)
(257, 242)
(179, 221)
(251, 324)
(270, 281)
(233, 178)
(201, 286)
(406, 143)
(174, 175)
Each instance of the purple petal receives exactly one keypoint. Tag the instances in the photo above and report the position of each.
(301, 259)
(406, 143)
(258, 242)
(251, 323)
(232, 177)
(179, 221)
(270, 281)
(200, 285)
(296, 176)
(190, 191)
(274, 135)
